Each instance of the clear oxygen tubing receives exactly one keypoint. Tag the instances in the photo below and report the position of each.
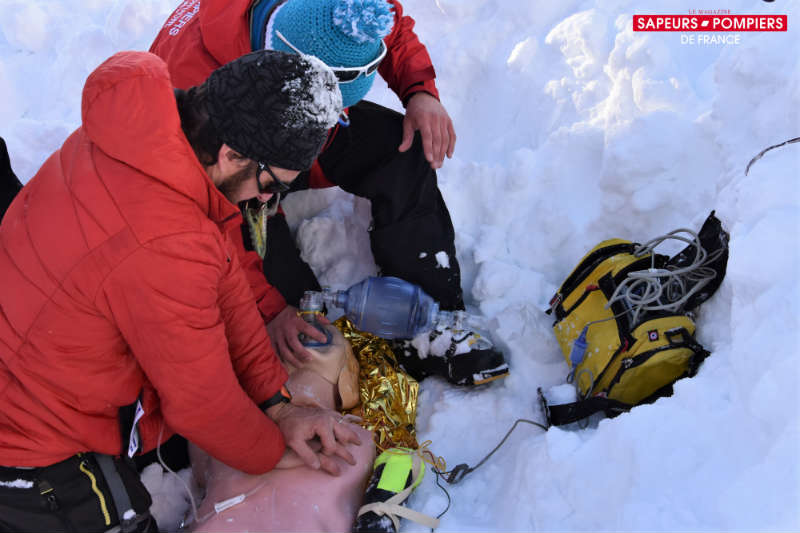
(219, 506)
(168, 469)
(227, 503)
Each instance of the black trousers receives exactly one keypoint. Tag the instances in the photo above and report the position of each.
(9, 184)
(71, 495)
(411, 223)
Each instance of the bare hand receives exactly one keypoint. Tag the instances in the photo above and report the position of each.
(426, 114)
(301, 425)
(290, 459)
(284, 331)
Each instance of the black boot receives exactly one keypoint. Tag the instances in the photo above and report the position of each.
(461, 357)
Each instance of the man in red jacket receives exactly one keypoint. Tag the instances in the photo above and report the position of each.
(373, 153)
(126, 316)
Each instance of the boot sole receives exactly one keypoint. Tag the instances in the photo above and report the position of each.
(489, 379)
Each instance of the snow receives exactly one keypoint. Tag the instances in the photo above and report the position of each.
(171, 496)
(442, 260)
(314, 104)
(571, 129)
(17, 484)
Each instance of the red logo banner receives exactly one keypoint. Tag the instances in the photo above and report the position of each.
(687, 23)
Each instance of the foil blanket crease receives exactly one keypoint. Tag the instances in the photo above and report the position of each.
(388, 395)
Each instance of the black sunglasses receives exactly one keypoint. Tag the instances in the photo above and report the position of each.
(275, 186)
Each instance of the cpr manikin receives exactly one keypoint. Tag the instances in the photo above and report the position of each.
(296, 498)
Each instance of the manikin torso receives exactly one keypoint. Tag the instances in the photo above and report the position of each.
(300, 498)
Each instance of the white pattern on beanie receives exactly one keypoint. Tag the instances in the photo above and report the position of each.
(363, 20)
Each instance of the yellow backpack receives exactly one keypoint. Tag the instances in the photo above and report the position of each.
(623, 320)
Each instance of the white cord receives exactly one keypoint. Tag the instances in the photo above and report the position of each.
(233, 501)
(168, 469)
(218, 506)
(658, 289)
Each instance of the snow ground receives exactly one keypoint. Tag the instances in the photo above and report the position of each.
(572, 129)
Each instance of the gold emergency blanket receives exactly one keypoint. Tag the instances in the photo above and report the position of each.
(388, 395)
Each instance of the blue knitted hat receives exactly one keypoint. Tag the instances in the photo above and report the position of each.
(342, 33)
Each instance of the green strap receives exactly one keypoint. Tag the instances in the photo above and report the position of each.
(393, 506)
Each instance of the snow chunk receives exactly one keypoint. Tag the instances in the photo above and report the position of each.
(17, 484)
(442, 260)
(170, 499)
(318, 104)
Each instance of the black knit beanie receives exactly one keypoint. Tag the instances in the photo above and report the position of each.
(273, 107)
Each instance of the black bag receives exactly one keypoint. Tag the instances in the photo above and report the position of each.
(72, 495)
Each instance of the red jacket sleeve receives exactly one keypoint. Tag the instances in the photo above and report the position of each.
(187, 314)
(269, 300)
(407, 67)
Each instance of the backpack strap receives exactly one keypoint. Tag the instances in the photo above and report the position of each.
(687, 340)
(566, 413)
(119, 494)
(714, 240)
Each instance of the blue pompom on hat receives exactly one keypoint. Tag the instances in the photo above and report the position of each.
(342, 33)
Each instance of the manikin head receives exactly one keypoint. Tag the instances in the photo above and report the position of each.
(330, 378)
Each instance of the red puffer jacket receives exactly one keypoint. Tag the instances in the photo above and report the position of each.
(116, 278)
(202, 35)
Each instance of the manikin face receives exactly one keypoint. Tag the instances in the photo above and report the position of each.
(235, 176)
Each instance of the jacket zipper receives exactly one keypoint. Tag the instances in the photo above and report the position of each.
(631, 362)
(103, 506)
(602, 373)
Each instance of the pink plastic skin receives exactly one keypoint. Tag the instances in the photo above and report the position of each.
(293, 499)
(288, 499)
